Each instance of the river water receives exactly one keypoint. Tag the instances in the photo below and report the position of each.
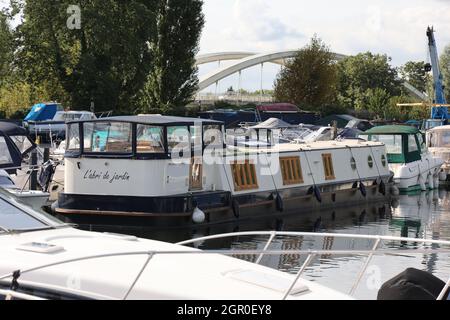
(426, 215)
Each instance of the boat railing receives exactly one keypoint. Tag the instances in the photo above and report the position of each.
(266, 251)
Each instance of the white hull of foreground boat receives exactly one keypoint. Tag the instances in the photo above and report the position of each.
(420, 175)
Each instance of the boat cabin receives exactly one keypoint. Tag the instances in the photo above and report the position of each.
(404, 144)
(142, 137)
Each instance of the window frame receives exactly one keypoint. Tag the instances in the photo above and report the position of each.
(328, 167)
(249, 170)
(291, 170)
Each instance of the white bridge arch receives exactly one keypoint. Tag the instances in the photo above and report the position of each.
(245, 60)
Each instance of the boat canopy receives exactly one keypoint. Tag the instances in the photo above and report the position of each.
(404, 144)
(142, 137)
(273, 123)
(43, 111)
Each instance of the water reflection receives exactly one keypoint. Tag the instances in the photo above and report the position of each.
(426, 215)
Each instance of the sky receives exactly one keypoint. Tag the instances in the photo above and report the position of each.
(395, 27)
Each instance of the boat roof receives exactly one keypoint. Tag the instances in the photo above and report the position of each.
(440, 128)
(154, 120)
(273, 123)
(393, 129)
(12, 129)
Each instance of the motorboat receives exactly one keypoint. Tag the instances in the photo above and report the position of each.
(175, 171)
(438, 141)
(414, 166)
(15, 146)
(45, 259)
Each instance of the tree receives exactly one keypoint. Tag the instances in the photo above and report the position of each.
(445, 69)
(105, 61)
(6, 49)
(414, 72)
(357, 74)
(172, 80)
(309, 80)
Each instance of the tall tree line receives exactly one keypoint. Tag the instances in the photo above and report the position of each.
(127, 56)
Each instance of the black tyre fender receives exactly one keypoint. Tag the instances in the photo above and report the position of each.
(279, 202)
(236, 208)
(317, 194)
(363, 190)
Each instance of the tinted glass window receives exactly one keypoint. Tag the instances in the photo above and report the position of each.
(412, 144)
(5, 156)
(15, 219)
(178, 138)
(150, 139)
(110, 137)
(73, 137)
(393, 142)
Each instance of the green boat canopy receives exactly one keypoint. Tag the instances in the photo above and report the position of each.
(404, 144)
(392, 130)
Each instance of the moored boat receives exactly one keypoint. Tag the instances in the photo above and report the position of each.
(414, 167)
(438, 141)
(176, 171)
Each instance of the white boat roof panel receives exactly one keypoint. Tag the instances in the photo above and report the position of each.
(155, 120)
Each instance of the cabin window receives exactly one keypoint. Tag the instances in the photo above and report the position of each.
(108, 137)
(440, 139)
(73, 138)
(370, 162)
(393, 142)
(383, 160)
(291, 170)
(196, 174)
(178, 138)
(422, 142)
(212, 136)
(412, 144)
(149, 139)
(5, 157)
(327, 160)
(244, 176)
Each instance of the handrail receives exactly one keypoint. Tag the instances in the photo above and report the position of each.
(310, 254)
(312, 234)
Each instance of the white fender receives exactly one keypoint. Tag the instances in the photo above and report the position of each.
(422, 183)
(442, 176)
(198, 216)
(430, 181)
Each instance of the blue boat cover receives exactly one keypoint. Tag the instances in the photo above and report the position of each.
(42, 112)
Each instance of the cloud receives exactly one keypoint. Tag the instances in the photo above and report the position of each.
(254, 22)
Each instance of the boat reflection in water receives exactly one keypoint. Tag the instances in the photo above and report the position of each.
(425, 215)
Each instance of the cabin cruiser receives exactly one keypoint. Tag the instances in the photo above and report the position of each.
(414, 167)
(45, 259)
(173, 171)
(46, 122)
(438, 140)
(15, 146)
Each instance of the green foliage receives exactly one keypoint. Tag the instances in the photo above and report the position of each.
(6, 49)
(172, 79)
(310, 79)
(363, 72)
(414, 73)
(106, 61)
(445, 69)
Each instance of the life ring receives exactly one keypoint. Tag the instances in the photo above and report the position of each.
(236, 208)
(363, 190)
(279, 203)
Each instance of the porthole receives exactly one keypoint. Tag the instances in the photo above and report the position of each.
(383, 160)
(353, 163)
(370, 162)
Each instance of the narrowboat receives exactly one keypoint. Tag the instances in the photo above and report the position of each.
(438, 141)
(414, 166)
(173, 171)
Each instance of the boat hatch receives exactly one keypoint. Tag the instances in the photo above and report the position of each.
(268, 281)
(41, 247)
